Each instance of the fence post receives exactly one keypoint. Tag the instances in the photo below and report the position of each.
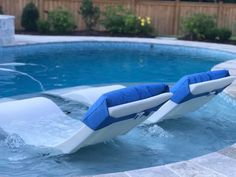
(41, 8)
(133, 6)
(176, 18)
(220, 13)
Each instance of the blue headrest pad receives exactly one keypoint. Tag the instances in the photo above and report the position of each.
(98, 116)
(181, 91)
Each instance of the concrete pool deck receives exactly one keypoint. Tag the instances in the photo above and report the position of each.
(231, 66)
(216, 164)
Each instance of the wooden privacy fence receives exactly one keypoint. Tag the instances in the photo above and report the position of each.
(166, 15)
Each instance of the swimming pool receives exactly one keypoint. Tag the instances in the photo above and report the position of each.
(28, 69)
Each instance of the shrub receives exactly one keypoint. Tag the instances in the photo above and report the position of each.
(30, 17)
(43, 26)
(90, 13)
(223, 34)
(211, 34)
(198, 26)
(61, 21)
(219, 34)
(144, 26)
(119, 20)
(130, 24)
(1, 10)
(114, 19)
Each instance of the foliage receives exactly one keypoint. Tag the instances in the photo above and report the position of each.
(1, 11)
(212, 1)
(229, 1)
(223, 34)
(119, 20)
(114, 19)
(144, 26)
(61, 21)
(204, 27)
(43, 26)
(198, 26)
(219, 34)
(90, 13)
(211, 34)
(30, 17)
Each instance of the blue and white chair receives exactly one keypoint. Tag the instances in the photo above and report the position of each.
(40, 122)
(192, 92)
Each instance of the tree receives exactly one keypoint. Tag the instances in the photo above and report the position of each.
(30, 17)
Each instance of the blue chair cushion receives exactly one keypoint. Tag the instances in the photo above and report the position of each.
(98, 116)
(181, 91)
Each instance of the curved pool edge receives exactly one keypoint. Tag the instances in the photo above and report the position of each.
(231, 66)
(218, 164)
(21, 40)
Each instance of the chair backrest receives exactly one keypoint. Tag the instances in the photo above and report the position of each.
(126, 103)
(200, 84)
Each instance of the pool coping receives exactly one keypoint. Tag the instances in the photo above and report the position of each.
(34, 39)
(217, 164)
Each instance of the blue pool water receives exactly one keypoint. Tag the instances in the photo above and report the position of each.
(29, 69)
(59, 65)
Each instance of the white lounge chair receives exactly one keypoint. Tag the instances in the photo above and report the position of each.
(192, 92)
(87, 96)
(40, 122)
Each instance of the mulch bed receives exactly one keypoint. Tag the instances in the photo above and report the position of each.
(85, 33)
(232, 42)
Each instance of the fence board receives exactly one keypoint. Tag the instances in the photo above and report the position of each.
(166, 15)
